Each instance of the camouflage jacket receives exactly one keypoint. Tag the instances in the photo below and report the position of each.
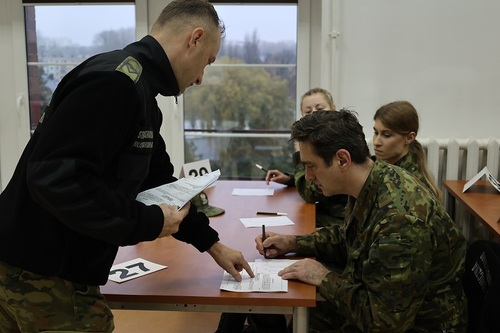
(408, 163)
(403, 256)
(329, 210)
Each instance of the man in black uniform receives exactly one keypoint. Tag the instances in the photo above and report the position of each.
(71, 201)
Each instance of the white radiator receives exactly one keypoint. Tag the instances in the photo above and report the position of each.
(462, 159)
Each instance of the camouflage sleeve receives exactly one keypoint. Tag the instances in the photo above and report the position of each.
(384, 284)
(327, 243)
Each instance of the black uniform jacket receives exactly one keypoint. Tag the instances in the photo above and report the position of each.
(71, 201)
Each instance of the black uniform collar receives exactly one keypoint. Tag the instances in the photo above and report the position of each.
(156, 66)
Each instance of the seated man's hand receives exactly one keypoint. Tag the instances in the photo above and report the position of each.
(306, 270)
(275, 245)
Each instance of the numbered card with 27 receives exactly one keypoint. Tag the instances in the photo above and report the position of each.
(133, 269)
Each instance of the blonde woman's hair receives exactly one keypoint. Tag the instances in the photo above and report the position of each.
(321, 91)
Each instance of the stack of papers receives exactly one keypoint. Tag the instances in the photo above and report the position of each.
(179, 192)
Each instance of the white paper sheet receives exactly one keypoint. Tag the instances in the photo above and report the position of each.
(253, 191)
(266, 277)
(274, 221)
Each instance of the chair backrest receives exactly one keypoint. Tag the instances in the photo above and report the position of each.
(481, 284)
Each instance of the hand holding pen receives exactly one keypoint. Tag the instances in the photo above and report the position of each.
(276, 244)
(275, 176)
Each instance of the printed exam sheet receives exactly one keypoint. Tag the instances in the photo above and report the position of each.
(266, 277)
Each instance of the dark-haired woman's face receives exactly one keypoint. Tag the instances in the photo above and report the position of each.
(388, 145)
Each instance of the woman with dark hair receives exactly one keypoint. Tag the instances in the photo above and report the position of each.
(395, 141)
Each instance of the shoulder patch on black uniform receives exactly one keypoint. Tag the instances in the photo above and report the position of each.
(130, 67)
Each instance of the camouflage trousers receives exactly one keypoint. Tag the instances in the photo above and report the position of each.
(32, 303)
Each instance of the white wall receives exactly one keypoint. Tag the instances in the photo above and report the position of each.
(14, 114)
(441, 55)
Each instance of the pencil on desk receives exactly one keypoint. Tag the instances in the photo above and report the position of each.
(272, 213)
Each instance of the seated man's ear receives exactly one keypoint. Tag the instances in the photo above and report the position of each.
(343, 158)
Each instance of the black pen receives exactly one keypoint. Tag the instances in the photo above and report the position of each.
(264, 238)
(272, 213)
(260, 167)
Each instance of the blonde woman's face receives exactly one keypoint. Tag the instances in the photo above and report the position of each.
(313, 103)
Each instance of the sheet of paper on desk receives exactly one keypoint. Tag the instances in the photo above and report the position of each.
(266, 277)
(274, 221)
(489, 177)
(133, 269)
(253, 191)
(179, 192)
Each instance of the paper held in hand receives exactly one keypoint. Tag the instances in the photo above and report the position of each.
(179, 192)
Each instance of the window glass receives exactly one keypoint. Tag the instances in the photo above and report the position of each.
(60, 37)
(242, 113)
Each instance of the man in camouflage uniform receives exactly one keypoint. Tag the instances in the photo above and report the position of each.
(329, 210)
(402, 253)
